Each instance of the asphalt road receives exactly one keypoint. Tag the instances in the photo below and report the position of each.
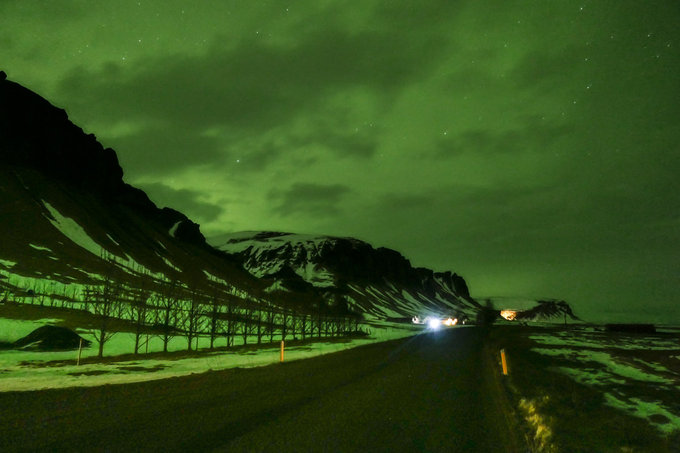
(432, 392)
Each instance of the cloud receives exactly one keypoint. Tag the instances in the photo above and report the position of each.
(545, 68)
(341, 144)
(183, 200)
(534, 134)
(159, 150)
(45, 12)
(309, 199)
(251, 85)
(6, 41)
(301, 147)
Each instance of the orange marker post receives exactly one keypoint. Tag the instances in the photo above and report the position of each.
(504, 362)
(282, 347)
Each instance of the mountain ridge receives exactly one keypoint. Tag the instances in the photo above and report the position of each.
(350, 270)
(37, 135)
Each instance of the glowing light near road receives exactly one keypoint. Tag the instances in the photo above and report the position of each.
(433, 323)
(510, 315)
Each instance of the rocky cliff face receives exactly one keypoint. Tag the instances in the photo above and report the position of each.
(37, 135)
(350, 271)
(67, 212)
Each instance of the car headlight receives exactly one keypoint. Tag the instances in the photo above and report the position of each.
(433, 323)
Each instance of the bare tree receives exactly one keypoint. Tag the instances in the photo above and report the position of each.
(139, 311)
(246, 321)
(106, 303)
(293, 324)
(230, 324)
(193, 317)
(214, 318)
(284, 324)
(270, 318)
(303, 326)
(167, 312)
(260, 330)
(319, 324)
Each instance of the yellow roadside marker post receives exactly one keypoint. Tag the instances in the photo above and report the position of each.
(504, 362)
(282, 347)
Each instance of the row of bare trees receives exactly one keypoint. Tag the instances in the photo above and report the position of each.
(151, 308)
(177, 310)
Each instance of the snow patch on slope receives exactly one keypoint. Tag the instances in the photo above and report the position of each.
(239, 242)
(173, 229)
(39, 247)
(7, 263)
(276, 286)
(168, 262)
(316, 275)
(70, 228)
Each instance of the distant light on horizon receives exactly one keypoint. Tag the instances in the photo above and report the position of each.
(434, 323)
(510, 315)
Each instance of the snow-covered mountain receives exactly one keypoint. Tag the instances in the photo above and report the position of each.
(380, 282)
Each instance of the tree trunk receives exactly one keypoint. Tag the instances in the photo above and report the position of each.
(102, 336)
(166, 329)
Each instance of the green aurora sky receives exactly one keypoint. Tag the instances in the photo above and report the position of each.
(530, 146)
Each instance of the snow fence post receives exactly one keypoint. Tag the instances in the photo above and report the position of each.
(80, 350)
(504, 362)
(282, 348)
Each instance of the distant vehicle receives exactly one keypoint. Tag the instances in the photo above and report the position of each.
(433, 322)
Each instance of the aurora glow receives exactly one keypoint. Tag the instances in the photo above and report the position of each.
(530, 146)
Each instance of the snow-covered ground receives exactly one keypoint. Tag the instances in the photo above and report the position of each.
(639, 374)
(31, 370)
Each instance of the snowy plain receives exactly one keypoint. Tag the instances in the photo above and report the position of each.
(639, 374)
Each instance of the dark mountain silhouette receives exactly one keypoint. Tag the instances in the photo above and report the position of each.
(50, 170)
(38, 136)
(547, 309)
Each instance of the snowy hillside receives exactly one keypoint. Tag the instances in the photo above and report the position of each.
(269, 253)
(379, 282)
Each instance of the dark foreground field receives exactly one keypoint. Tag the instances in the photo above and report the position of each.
(558, 413)
(433, 392)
